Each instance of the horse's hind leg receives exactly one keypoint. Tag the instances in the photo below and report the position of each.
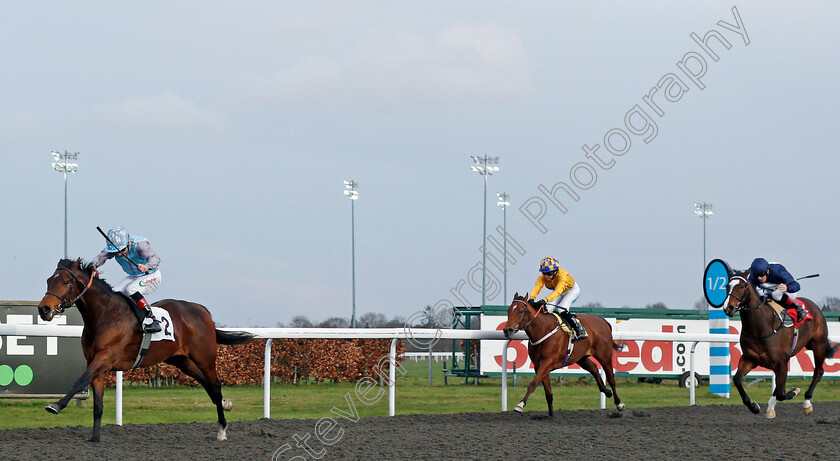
(779, 393)
(819, 361)
(209, 380)
(587, 364)
(610, 374)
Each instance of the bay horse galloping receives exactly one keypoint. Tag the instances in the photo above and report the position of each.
(548, 345)
(766, 343)
(111, 337)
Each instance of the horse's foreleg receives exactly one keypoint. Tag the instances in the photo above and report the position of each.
(744, 367)
(78, 386)
(98, 386)
(549, 396)
(542, 371)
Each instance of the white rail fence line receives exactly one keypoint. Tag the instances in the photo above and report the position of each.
(395, 334)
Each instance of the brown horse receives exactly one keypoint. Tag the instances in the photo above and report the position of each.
(548, 344)
(765, 342)
(111, 337)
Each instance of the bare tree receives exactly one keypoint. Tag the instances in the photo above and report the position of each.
(596, 304)
(334, 322)
(372, 320)
(831, 303)
(657, 306)
(701, 305)
(300, 321)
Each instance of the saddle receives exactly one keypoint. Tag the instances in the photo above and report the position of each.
(568, 328)
(788, 315)
(138, 311)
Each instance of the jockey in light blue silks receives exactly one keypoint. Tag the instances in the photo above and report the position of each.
(140, 262)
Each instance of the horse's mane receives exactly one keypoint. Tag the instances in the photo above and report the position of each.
(87, 268)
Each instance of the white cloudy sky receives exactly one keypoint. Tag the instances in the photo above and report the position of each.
(223, 134)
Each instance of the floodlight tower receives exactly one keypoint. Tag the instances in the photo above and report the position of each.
(485, 167)
(504, 203)
(353, 194)
(62, 166)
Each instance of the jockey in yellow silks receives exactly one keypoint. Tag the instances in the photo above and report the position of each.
(564, 292)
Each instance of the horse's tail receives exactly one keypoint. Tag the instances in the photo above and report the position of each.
(617, 346)
(830, 349)
(231, 338)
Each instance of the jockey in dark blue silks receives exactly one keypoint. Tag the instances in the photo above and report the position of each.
(774, 278)
(140, 262)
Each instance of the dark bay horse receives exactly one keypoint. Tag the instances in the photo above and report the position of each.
(549, 352)
(111, 337)
(764, 342)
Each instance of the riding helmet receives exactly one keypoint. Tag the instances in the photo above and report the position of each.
(118, 239)
(759, 266)
(549, 264)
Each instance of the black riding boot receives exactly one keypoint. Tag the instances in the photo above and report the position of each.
(801, 313)
(572, 321)
(148, 327)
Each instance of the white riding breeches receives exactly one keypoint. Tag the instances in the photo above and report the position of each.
(565, 300)
(144, 284)
(774, 293)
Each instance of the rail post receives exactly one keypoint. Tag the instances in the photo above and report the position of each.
(119, 398)
(392, 377)
(691, 391)
(504, 375)
(267, 380)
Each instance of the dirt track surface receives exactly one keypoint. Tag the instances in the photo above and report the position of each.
(708, 432)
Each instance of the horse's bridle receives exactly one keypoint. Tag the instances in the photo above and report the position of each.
(741, 300)
(522, 327)
(64, 299)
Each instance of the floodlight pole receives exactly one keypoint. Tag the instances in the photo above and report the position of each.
(353, 194)
(482, 167)
(60, 165)
(504, 203)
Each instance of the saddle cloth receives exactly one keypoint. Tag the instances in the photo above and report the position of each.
(563, 326)
(790, 312)
(166, 333)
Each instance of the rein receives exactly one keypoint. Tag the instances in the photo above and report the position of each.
(741, 306)
(534, 343)
(64, 302)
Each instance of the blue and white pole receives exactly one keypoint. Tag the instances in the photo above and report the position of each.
(715, 285)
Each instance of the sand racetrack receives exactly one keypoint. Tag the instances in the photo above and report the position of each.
(707, 432)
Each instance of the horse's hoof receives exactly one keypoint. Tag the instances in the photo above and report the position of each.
(621, 406)
(518, 409)
(796, 391)
(52, 408)
(227, 405)
(220, 439)
(808, 407)
(770, 414)
(809, 410)
(755, 408)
